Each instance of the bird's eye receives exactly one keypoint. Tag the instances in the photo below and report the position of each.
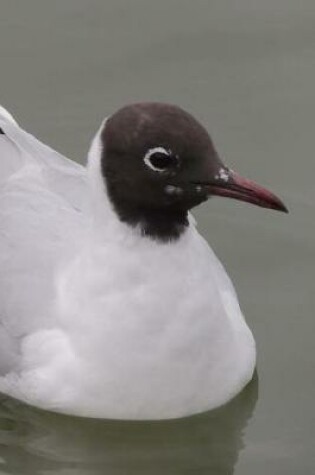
(159, 159)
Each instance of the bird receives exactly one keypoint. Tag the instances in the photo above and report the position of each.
(112, 305)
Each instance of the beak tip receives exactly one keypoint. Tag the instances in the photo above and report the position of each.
(284, 209)
(278, 205)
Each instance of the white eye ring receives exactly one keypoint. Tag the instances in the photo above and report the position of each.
(151, 152)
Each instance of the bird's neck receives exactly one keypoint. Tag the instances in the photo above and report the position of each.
(161, 224)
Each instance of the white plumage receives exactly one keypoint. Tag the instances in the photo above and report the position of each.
(96, 319)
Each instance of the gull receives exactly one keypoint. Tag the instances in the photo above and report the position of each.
(112, 305)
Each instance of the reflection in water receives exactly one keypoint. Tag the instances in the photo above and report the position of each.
(37, 442)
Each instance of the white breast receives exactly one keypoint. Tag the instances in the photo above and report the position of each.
(147, 331)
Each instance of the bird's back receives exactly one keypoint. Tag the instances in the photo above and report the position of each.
(41, 201)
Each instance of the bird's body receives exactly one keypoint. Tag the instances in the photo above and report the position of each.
(97, 318)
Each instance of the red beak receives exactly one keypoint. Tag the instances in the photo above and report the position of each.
(230, 184)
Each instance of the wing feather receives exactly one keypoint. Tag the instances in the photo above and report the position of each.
(42, 198)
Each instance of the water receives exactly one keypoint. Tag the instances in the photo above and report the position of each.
(36, 442)
(246, 69)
